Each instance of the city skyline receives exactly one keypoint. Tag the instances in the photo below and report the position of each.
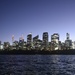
(48, 37)
(24, 16)
(36, 43)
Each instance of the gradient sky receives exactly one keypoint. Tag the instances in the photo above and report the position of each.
(19, 17)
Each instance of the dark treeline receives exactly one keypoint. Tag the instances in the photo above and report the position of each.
(33, 52)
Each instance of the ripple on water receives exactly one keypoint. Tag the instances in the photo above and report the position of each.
(37, 65)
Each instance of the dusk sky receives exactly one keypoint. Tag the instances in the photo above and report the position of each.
(19, 17)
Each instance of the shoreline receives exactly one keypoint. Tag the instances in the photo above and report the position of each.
(38, 52)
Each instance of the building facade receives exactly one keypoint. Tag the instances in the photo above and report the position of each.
(73, 45)
(29, 41)
(35, 41)
(45, 41)
(68, 42)
(55, 41)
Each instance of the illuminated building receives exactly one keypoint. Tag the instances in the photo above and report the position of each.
(60, 45)
(39, 44)
(45, 40)
(21, 43)
(29, 41)
(55, 37)
(68, 42)
(73, 45)
(1, 46)
(35, 40)
(6, 45)
(63, 46)
(24, 45)
(55, 41)
(15, 45)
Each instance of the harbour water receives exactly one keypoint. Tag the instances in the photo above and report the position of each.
(37, 64)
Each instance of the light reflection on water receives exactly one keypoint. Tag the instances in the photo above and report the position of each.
(37, 64)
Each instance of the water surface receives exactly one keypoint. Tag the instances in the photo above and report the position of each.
(37, 64)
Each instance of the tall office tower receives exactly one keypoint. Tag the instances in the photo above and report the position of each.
(55, 41)
(15, 45)
(67, 36)
(21, 42)
(29, 39)
(45, 39)
(55, 37)
(68, 42)
(39, 43)
(35, 41)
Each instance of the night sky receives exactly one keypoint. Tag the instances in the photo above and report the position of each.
(19, 17)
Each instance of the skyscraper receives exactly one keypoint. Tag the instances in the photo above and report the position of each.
(29, 39)
(55, 37)
(35, 41)
(67, 36)
(15, 45)
(21, 42)
(55, 41)
(45, 39)
(68, 42)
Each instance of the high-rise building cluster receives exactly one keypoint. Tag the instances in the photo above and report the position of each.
(34, 43)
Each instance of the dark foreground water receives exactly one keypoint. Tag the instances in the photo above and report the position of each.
(37, 64)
